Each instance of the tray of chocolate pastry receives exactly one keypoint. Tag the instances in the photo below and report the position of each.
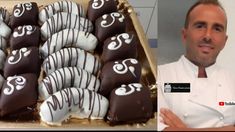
(75, 64)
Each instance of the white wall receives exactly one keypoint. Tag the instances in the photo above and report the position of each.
(227, 55)
(152, 28)
(171, 17)
(147, 12)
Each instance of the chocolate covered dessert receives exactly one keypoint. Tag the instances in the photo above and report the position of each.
(61, 6)
(121, 46)
(97, 8)
(64, 20)
(109, 25)
(69, 38)
(116, 73)
(25, 36)
(24, 60)
(71, 57)
(130, 104)
(75, 103)
(18, 92)
(67, 77)
(24, 14)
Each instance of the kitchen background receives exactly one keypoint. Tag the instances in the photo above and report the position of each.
(147, 12)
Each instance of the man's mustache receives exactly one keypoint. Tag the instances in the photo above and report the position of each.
(206, 41)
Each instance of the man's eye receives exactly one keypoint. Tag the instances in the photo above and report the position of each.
(199, 26)
(219, 29)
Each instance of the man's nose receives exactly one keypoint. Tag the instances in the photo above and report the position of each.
(208, 34)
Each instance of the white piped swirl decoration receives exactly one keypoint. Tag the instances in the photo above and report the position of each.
(23, 52)
(114, 45)
(96, 4)
(25, 6)
(122, 68)
(122, 91)
(114, 15)
(26, 29)
(19, 82)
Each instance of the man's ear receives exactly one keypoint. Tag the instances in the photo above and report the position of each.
(226, 38)
(183, 35)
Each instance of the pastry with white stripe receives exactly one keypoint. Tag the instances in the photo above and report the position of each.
(1, 80)
(73, 103)
(63, 20)
(5, 31)
(2, 59)
(71, 57)
(69, 38)
(67, 77)
(61, 6)
(4, 15)
(3, 43)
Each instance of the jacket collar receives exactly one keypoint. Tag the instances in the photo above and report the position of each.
(192, 69)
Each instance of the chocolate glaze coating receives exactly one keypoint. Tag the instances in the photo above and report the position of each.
(97, 8)
(116, 73)
(25, 36)
(24, 60)
(24, 14)
(130, 104)
(121, 46)
(18, 92)
(109, 25)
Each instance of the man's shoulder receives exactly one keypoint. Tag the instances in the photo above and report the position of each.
(169, 70)
(168, 66)
(224, 71)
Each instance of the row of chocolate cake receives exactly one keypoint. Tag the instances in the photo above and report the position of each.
(121, 72)
(22, 66)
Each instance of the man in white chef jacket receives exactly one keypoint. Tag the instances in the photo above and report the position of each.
(194, 93)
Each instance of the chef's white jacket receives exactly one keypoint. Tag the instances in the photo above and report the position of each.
(200, 107)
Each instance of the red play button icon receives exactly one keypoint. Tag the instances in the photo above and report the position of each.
(221, 103)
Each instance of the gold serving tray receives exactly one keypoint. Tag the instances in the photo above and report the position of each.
(149, 76)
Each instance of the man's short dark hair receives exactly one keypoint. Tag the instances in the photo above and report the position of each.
(199, 2)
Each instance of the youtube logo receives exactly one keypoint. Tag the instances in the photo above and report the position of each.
(221, 103)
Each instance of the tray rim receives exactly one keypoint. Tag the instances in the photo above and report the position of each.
(149, 55)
